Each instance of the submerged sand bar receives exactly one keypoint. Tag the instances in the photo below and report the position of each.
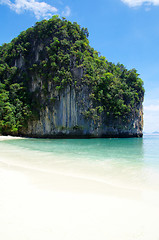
(38, 205)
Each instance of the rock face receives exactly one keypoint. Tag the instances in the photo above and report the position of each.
(68, 89)
(65, 118)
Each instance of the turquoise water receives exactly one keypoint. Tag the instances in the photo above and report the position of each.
(132, 150)
(134, 160)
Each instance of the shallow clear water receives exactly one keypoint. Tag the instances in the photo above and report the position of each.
(126, 160)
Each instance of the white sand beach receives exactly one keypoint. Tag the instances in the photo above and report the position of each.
(3, 138)
(38, 205)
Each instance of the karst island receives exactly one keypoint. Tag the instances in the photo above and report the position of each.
(54, 84)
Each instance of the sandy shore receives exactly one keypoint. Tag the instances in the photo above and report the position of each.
(37, 205)
(3, 138)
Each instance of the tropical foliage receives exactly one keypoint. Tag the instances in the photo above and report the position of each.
(52, 50)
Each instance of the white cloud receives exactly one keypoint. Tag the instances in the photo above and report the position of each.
(40, 9)
(151, 116)
(136, 3)
(66, 12)
(152, 107)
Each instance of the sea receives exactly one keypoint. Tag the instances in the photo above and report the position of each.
(130, 160)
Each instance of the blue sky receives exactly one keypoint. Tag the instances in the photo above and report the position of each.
(125, 31)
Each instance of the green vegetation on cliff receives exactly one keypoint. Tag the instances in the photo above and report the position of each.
(58, 51)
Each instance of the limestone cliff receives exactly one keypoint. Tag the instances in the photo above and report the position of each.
(66, 116)
(68, 90)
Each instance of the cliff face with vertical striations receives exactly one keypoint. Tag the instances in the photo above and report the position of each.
(66, 116)
(58, 86)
